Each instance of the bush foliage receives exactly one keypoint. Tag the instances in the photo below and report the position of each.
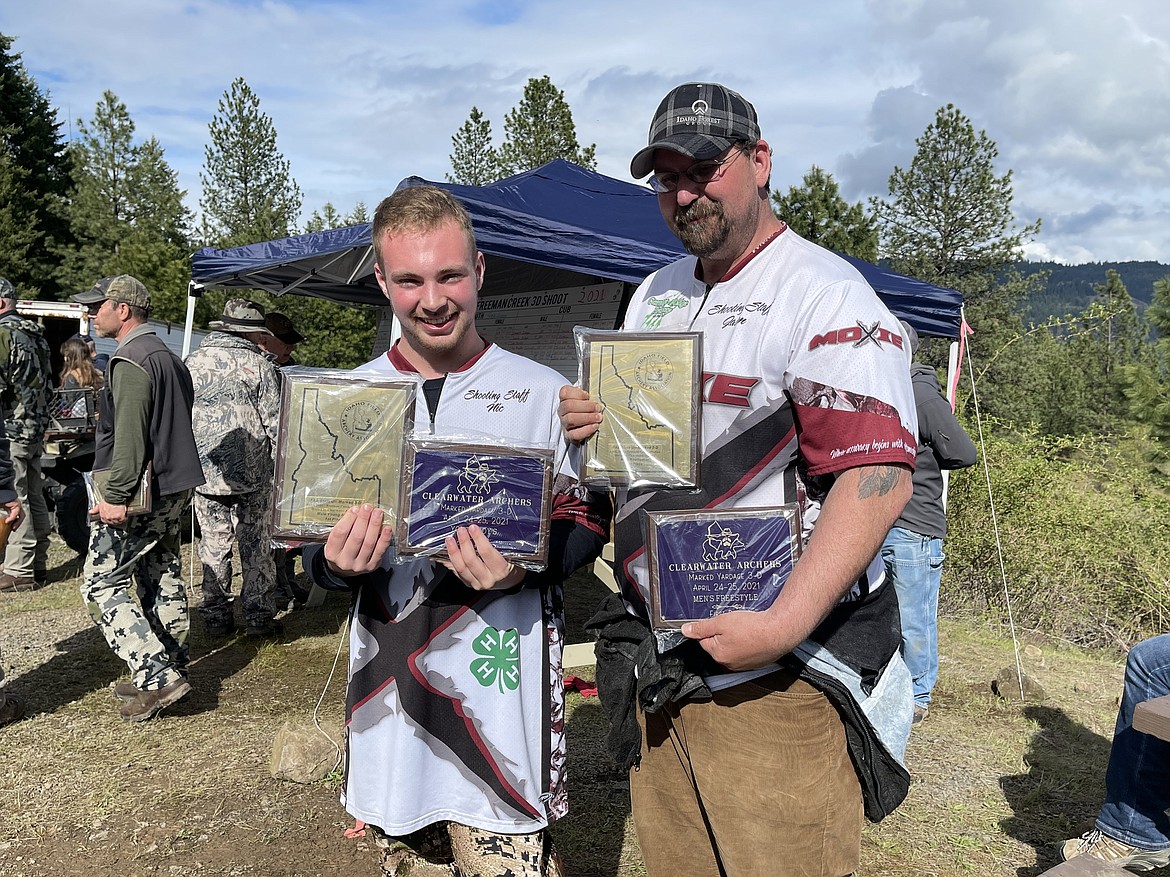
(1082, 522)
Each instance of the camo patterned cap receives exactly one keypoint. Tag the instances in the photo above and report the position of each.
(123, 288)
(7, 290)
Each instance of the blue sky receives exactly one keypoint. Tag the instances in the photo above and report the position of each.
(1076, 93)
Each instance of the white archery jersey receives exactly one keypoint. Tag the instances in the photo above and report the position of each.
(456, 710)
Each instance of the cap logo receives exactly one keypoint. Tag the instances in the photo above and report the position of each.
(700, 108)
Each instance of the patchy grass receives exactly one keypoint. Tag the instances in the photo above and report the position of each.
(997, 784)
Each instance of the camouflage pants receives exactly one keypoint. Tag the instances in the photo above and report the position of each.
(149, 634)
(243, 520)
(448, 849)
(28, 546)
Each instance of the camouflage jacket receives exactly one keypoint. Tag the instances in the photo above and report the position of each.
(237, 403)
(25, 378)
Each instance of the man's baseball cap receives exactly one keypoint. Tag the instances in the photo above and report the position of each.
(123, 288)
(281, 326)
(7, 290)
(700, 120)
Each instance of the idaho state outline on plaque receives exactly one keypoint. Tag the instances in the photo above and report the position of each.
(335, 444)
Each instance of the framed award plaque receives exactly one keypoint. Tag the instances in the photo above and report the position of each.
(706, 562)
(649, 386)
(339, 445)
(506, 491)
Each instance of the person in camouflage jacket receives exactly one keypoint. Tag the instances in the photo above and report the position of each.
(25, 383)
(237, 403)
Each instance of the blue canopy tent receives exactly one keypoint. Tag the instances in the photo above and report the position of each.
(553, 227)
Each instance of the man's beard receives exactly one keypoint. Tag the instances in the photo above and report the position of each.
(702, 227)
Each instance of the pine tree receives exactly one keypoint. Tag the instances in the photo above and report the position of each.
(473, 158)
(949, 215)
(816, 211)
(539, 129)
(328, 217)
(249, 194)
(34, 181)
(127, 211)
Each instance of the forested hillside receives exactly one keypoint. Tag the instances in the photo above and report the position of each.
(1070, 288)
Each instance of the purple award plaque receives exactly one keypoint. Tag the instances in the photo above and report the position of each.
(504, 490)
(706, 562)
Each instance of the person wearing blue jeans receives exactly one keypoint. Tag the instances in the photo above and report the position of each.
(912, 550)
(1133, 825)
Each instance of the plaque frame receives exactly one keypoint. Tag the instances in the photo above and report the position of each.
(657, 552)
(292, 513)
(433, 545)
(665, 370)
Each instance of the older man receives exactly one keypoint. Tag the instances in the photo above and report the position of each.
(143, 435)
(760, 769)
(237, 403)
(25, 380)
(283, 339)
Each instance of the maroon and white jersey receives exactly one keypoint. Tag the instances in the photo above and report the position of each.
(455, 701)
(805, 374)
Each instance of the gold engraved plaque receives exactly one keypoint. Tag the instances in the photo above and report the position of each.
(649, 387)
(339, 445)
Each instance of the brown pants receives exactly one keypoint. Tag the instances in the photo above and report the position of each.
(756, 781)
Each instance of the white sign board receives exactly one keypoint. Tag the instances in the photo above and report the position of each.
(538, 325)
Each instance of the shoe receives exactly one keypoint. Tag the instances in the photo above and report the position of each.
(20, 583)
(220, 629)
(12, 708)
(147, 704)
(126, 690)
(1098, 845)
(265, 630)
(920, 714)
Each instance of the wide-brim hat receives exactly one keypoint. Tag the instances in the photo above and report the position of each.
(241, 316)
(700, 120)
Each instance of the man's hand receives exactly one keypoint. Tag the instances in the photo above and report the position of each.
(739, 640)
(108, 513)
(861, 506)
(477, 562)
(580, 415)
(15, 513)
(357, 541)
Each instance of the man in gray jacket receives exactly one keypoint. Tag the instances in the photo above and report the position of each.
(143, 440)
(237, 402)
(913, 551)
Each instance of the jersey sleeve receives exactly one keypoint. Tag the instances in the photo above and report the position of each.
(849, 380)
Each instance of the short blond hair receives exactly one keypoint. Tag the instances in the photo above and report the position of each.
(418, 209)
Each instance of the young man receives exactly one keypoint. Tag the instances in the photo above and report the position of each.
(448, 764)
(806, 399)
(144, 418)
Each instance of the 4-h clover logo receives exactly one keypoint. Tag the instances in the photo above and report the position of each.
(500, 664)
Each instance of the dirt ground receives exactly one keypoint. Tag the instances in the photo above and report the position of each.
(996, 783)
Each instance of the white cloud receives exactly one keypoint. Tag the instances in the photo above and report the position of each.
(363, 93)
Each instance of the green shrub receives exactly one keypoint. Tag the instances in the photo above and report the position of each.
(1083, 524)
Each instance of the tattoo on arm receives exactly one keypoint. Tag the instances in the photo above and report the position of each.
(877, 480)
